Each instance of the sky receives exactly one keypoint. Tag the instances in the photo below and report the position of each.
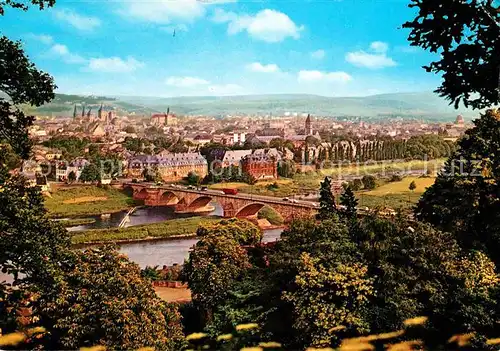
(223, 47)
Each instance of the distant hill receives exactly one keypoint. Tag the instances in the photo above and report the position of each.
(63, 105)
(425, 106)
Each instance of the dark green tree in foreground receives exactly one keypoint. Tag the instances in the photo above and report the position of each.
(79, 298)
(350, 203)
(326, 200)
(466, 34)
(465, 199)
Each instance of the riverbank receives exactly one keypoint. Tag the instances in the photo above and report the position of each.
(86, 201)
(171, 229)
(75, 222)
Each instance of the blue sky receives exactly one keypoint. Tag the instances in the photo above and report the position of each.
(223, 47)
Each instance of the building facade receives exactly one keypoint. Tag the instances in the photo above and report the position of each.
(172, 168)
(260, 166)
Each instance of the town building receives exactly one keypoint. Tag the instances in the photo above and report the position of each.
(171, 167)
(260, 166)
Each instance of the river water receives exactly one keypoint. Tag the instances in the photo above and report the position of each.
(157, 252)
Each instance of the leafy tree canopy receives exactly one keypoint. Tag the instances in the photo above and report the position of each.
(466, 34)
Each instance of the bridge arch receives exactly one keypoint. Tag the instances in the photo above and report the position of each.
(250, 210)
(169, 198)
(200, 202)
(129, 191)
(141, 194)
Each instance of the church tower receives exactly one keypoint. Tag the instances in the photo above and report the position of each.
(99, 114)
(309, 130)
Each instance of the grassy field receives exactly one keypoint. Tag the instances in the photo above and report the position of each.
(86, 201)
(173, 294)
(395, 194)
(310, 182)
(181, 226)
(77, 221)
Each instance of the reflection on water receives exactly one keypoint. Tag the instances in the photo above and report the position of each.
(144, 215)
(168, 252)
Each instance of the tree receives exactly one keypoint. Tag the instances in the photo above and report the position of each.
(326, 298)
(79, 298)
(286, 168)
(369, 182)
(464, 199)
(129, 129)
(102, 299)
(71, 176)
(466, 34)
(243, 231)
(23, 84)
(214, 264)
(326, 200)
(356, 184)
(193, 178)
(90, 173)
(152, 174)
(350, 203)
(412, 185)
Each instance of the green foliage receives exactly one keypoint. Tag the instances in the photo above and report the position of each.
(369, 182)
(350, 203)
(464, 198)
(23, 84)
(243, 231)
(271, 215)
(152, 174)
(193, 178)
(286, 168)
(90, 173)
(356, 184)
(71, 147)
(213, 265)
(327, 298)
(180, 226)
(151, 273)
(326, 200)
(396, 178)
(71, 176)
(464, 33)
(412, 186)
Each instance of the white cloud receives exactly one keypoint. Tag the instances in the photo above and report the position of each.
(186, 82)
(267, 25)
(379, 46)
(225, 89)
(63, 52)
(315, 76)
(114, 64)
(163, 11)
(259, 67)
(377, 59)
(318, 54)
(43, 38)
(83, 23)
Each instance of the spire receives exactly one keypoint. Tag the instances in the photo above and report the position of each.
(74, 112)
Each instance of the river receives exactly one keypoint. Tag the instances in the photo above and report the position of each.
(157, 252)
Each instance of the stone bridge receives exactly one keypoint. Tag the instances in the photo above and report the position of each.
(239, 205)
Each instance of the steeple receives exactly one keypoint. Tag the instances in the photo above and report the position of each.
(309, 130)
(74, 112)
(99, 113)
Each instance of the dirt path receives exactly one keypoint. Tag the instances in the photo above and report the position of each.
(78, 200)
(174, 294)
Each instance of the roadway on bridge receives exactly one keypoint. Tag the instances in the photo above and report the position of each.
(253, 197)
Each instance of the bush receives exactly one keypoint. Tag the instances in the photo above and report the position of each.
(356, 184)
(396, 178)
(369, 182)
